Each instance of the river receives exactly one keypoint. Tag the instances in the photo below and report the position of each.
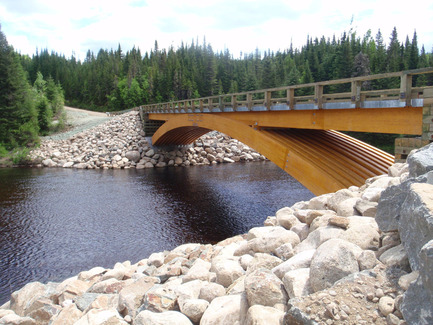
(55, 223)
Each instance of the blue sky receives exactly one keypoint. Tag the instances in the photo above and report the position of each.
(69, 27)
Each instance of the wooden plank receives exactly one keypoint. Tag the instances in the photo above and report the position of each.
(318, 96)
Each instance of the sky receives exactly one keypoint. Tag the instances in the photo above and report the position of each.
(241, 26)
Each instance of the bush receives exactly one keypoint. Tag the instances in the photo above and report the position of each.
(20, 156)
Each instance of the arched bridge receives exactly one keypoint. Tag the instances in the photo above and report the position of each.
(295, 126)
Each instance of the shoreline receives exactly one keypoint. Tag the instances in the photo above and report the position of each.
(121, 143)
(338, 258)
(360, 255)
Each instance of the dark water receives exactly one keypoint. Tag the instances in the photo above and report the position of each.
(55, 223)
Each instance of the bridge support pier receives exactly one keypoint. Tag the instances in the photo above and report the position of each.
(403, 146)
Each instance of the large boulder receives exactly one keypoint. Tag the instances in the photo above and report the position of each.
(227, 270)
(390, 203)
(22, 299)
(333, 260)
(416, 222)
(131, 297)
(101, 317)
(319, 236)
(70, 314)
(224, 310)
(297, 282)
(133, 156)
(198, 271)
(420, 161)
(263, 261)
(418, 299)
(194, 309)
(263, 315)
(268, 239)
(147, 317)
(300, 260)
(264, 288)
(362, 231)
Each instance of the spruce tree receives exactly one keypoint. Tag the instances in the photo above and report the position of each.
(18, 124)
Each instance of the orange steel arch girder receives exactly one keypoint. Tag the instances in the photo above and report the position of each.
(322, 160)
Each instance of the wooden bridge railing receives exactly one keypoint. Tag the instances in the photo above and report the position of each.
(317, 97)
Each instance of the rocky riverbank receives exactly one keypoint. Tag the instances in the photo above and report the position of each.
(357, 256)
(121, 143)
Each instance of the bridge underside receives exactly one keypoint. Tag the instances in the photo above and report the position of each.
(322, 160)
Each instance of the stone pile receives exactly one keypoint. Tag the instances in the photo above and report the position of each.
(121, 143)
(362, 255)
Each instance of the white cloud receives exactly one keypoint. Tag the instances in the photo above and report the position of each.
(239, 25)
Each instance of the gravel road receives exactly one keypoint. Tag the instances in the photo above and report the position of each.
(79, 120)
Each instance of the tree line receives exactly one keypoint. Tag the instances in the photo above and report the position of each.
(116, 80)
(32, 89)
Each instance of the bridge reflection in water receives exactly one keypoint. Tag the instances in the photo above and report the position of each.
(299, 132)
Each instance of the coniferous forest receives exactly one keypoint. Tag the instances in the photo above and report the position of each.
(113, 80)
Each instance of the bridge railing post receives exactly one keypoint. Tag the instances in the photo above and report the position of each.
(406, 89)
(267, 103)
(356, 93)
(250, 101)
(291, 98)
(318, 96)
(221, 103)
(234, 102)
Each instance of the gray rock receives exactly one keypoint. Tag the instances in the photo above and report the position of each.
(264, 288)
(405, 280)
(133, 156)
(391, 200)
(416, 222)
(367, 260)
(420, 161)
(333, 260)
(49, 163)
(395, 256)
(150, 153)
(418, 299)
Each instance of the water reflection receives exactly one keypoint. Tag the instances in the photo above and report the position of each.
(58, 222)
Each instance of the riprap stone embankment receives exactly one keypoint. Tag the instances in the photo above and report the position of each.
(121, 143)
(362, 255)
